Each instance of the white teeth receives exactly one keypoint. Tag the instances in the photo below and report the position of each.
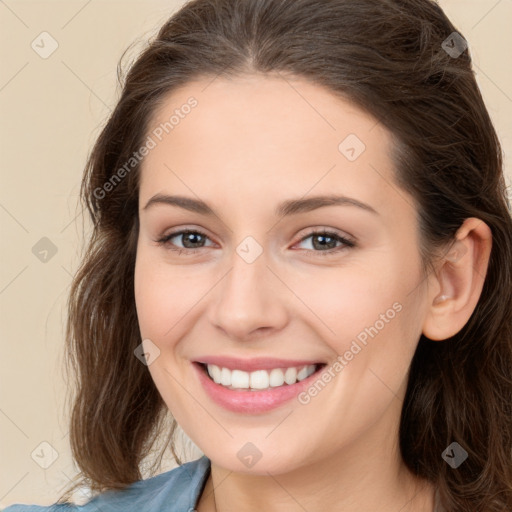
(290, 376)
(302, 374)
(276, 378)
(240, 379)
(259, 379)
(225, 377)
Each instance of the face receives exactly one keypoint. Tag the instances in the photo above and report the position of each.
(337, 284)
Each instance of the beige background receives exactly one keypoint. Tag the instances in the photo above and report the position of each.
(51, 111)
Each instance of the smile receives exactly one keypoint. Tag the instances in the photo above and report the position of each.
(260, 390)
(259, 379)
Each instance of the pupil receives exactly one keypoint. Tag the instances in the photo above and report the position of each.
(323, 244)
(191, 235)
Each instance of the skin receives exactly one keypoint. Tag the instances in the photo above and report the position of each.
(250, 143)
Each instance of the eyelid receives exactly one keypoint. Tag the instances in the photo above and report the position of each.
(327, 230)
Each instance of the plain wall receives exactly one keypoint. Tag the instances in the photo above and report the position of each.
(51, 110)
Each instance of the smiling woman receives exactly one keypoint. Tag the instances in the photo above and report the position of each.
(311, 271)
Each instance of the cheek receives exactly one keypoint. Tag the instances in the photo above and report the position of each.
(343, 302)
(164, 294)
(367, 315)
(164, 299)
(150, 297)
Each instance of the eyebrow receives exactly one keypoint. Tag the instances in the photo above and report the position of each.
(286, 208)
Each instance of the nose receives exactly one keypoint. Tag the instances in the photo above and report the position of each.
(250, 300)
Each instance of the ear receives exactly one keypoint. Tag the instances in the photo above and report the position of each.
(454, 290)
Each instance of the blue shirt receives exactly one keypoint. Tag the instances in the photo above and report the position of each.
(177, 490)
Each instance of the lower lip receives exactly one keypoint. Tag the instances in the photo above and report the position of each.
(253, 402)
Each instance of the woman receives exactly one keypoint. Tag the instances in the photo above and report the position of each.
(250, 137)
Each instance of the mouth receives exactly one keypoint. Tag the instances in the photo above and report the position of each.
(259, 391)
(261, 379)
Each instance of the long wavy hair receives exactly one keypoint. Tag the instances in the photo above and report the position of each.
(398, 60)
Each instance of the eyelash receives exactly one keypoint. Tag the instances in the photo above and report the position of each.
(348, 244)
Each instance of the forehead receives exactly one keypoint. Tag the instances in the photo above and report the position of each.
(265, 137)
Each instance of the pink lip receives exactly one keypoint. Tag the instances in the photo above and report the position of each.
(257, 363)
(247, 401)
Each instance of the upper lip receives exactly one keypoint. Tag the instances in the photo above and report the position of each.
(257, 363)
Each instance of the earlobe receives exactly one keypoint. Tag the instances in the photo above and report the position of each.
(455, 288)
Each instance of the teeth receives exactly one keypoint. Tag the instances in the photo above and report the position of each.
(259, 379)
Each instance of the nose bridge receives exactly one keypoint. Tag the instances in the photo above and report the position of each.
(249, 296)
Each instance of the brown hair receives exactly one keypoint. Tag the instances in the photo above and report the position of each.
(387, 57)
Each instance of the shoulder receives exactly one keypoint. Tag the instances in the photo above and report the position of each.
(172, 491)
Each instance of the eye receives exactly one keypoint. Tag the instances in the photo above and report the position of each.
(323, 241)
(190, 238)
(326, 242)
